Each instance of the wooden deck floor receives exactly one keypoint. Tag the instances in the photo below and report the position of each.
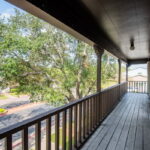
(126, 128)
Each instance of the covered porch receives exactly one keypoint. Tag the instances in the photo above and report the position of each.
(115, 118)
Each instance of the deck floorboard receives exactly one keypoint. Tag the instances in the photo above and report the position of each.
(126, 128)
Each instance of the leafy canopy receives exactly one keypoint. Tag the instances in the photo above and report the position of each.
(43, 61)
(47, 63)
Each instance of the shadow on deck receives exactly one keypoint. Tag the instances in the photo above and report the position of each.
(126, 128)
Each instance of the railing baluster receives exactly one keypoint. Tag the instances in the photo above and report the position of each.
(84, 118)
(57, 131)
(137, 86)
(102, 111)
(75, 126)
(8, 142)
(143, 87)
(64, 130)
(48, 133)
(80, 123)
(145, 91)
(92, 112)
(88, 116)
(97, 114)
(130, 86)
(96, 111)
(70, 129)
(38, 136)
(97, 99)
(100, 106)
(25, 138)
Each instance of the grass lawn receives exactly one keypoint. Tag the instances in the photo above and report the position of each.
(2, 97)
(60, 138)
(14, 94)
(2, 110)
(108, 84)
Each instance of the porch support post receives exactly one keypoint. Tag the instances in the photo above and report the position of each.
(127, 72)
(127, 65)
(99, 52)
(119, 76)
(148, 75)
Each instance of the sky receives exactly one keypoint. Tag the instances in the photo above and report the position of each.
(7, 9)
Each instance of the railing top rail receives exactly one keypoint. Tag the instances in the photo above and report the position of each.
(137, 81)
(31, 121)
(109, 88)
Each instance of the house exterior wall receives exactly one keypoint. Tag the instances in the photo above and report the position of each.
(137, 78)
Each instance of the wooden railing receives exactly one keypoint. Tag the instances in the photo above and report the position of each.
(137, 86)
(66, 127)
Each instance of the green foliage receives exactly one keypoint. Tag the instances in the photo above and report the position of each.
(109, 70)
(47, 63)
(3, 97)
(14, 90)
(2, 110)
(44, 62)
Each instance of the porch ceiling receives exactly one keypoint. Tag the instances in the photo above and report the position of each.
(109, 23)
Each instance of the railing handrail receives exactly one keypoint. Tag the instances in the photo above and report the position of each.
(113, 86)
(137, 81)
(90, 111)
(31, 121)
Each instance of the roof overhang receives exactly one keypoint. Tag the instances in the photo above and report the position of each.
(73, 18)
(111, 24)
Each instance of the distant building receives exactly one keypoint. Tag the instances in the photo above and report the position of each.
(137, 78)
(138, 74)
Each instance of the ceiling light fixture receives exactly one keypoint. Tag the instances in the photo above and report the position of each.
(132, 45)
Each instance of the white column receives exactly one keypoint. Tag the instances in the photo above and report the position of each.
(119, 76)
(148, 77)
(127, 72)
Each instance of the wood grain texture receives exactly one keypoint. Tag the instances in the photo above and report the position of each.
(126, 128)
